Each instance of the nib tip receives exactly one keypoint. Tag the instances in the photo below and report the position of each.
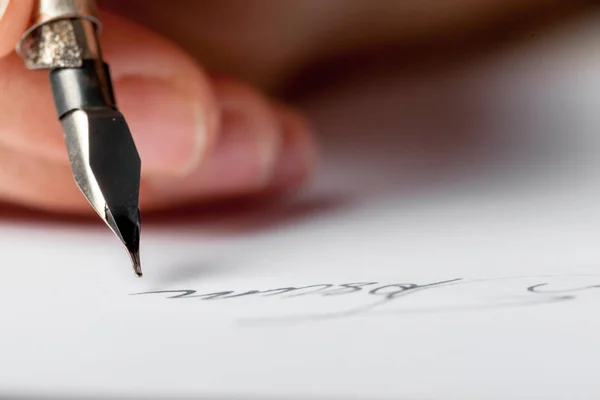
(135, 261)
(127, 226)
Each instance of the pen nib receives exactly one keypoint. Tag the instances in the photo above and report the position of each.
(107, 167)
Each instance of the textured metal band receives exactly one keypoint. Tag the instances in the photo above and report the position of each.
(63, 34)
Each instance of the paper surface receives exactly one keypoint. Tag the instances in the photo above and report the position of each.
(484, 285)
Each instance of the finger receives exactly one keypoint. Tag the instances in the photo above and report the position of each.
(164, 95)
(260, 147)
(39, 183)
(14, 16)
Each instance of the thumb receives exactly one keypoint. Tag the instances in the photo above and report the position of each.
(14, 16)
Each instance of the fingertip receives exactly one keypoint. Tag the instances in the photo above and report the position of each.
(14, 17)
(298, 156)
(240, 163)
(237, 98)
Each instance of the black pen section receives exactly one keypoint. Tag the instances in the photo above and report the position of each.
(87, 87)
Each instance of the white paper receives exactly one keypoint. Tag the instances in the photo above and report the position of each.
(483, 285)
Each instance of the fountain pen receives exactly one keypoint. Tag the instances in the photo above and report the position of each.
(63, 38)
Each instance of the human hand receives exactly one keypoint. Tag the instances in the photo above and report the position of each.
(200, 138)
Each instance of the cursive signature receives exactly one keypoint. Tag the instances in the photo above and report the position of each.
(484, 293)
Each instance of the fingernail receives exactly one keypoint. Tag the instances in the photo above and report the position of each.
(3, 7)
(241, 161)
(167, 124)
(298, 154)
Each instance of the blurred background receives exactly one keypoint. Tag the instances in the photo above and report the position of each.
(429, 87)
(284, 45)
